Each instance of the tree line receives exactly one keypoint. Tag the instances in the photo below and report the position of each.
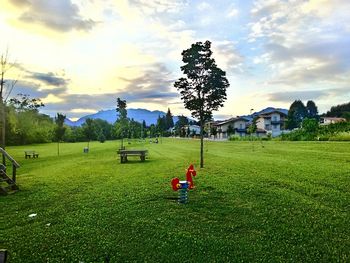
(26, 125)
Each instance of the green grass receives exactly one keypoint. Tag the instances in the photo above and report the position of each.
(271, 202)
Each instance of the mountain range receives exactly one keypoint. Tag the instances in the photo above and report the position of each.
(150, 117)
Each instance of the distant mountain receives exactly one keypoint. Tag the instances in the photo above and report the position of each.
(150, 117)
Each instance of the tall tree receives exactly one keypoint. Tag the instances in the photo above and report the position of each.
(312, 111)
(169, 120)
(297, 112)
(122, 123)
(204, 88)
(161, 124)
(5, 66)
(59, 130)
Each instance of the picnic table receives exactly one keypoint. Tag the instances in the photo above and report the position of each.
(125, 153)
(30, 154)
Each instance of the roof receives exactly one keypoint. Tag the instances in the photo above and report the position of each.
(334, 118)
(246, 119)
(269, 114)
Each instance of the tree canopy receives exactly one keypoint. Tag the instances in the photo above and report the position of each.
(312, 111)
(203, 90)
(297, 112)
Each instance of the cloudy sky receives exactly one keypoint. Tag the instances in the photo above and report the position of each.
(78, 56)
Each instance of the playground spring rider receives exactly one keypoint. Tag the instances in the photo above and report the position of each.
(184, 186)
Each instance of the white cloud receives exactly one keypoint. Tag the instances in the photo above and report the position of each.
(233, 12)
(203, 6)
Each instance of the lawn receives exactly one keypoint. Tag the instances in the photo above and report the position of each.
(270, 202)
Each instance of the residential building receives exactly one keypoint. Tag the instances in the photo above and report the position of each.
(234, 126)
(329, 120)
(273, 122)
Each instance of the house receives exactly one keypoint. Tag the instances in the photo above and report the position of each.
(273, 122)
(233, 126)
(329, 120)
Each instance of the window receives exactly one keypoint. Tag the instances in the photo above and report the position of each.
(274, 118)
(267, 126)
(241, 126)
(274, 127)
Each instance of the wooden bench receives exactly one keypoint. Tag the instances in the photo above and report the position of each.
(30, 154)
(125, 153)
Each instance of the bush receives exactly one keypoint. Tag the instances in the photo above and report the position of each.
(101, 138)
(343, 136)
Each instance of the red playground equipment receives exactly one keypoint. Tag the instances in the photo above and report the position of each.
(184, 186)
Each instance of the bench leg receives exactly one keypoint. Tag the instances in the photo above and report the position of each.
(123, 159)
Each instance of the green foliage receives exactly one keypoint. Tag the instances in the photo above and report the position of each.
(342, 110)
(230, 130)
(312, 111)
(180, 124)
(101, 137)
(89, 129)
(284, 202)
(121, 125)
(253, 127)
(27, 126)
(161, 124)
(204, 89)
(312, 131)
(169, 120)
(297, 112)
(60, 128)
(310, 125)
(23, 102)
(342, 136)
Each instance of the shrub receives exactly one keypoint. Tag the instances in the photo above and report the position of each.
(343, 136)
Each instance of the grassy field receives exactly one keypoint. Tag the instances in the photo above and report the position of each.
(270, 202)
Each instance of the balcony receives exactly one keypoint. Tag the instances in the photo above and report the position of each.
(280, 122)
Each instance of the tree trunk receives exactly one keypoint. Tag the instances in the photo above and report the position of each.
(3, 128)
(202, 159)
(58, 148)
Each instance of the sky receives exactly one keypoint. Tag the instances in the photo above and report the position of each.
(78, 56)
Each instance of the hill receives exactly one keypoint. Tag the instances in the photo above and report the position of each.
(150, 117)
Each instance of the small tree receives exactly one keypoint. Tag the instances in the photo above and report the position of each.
(59, 130)
(253, 127)
(122, 124)
(204, 88)
(89, 130)
(230, 130)
(101, 137)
